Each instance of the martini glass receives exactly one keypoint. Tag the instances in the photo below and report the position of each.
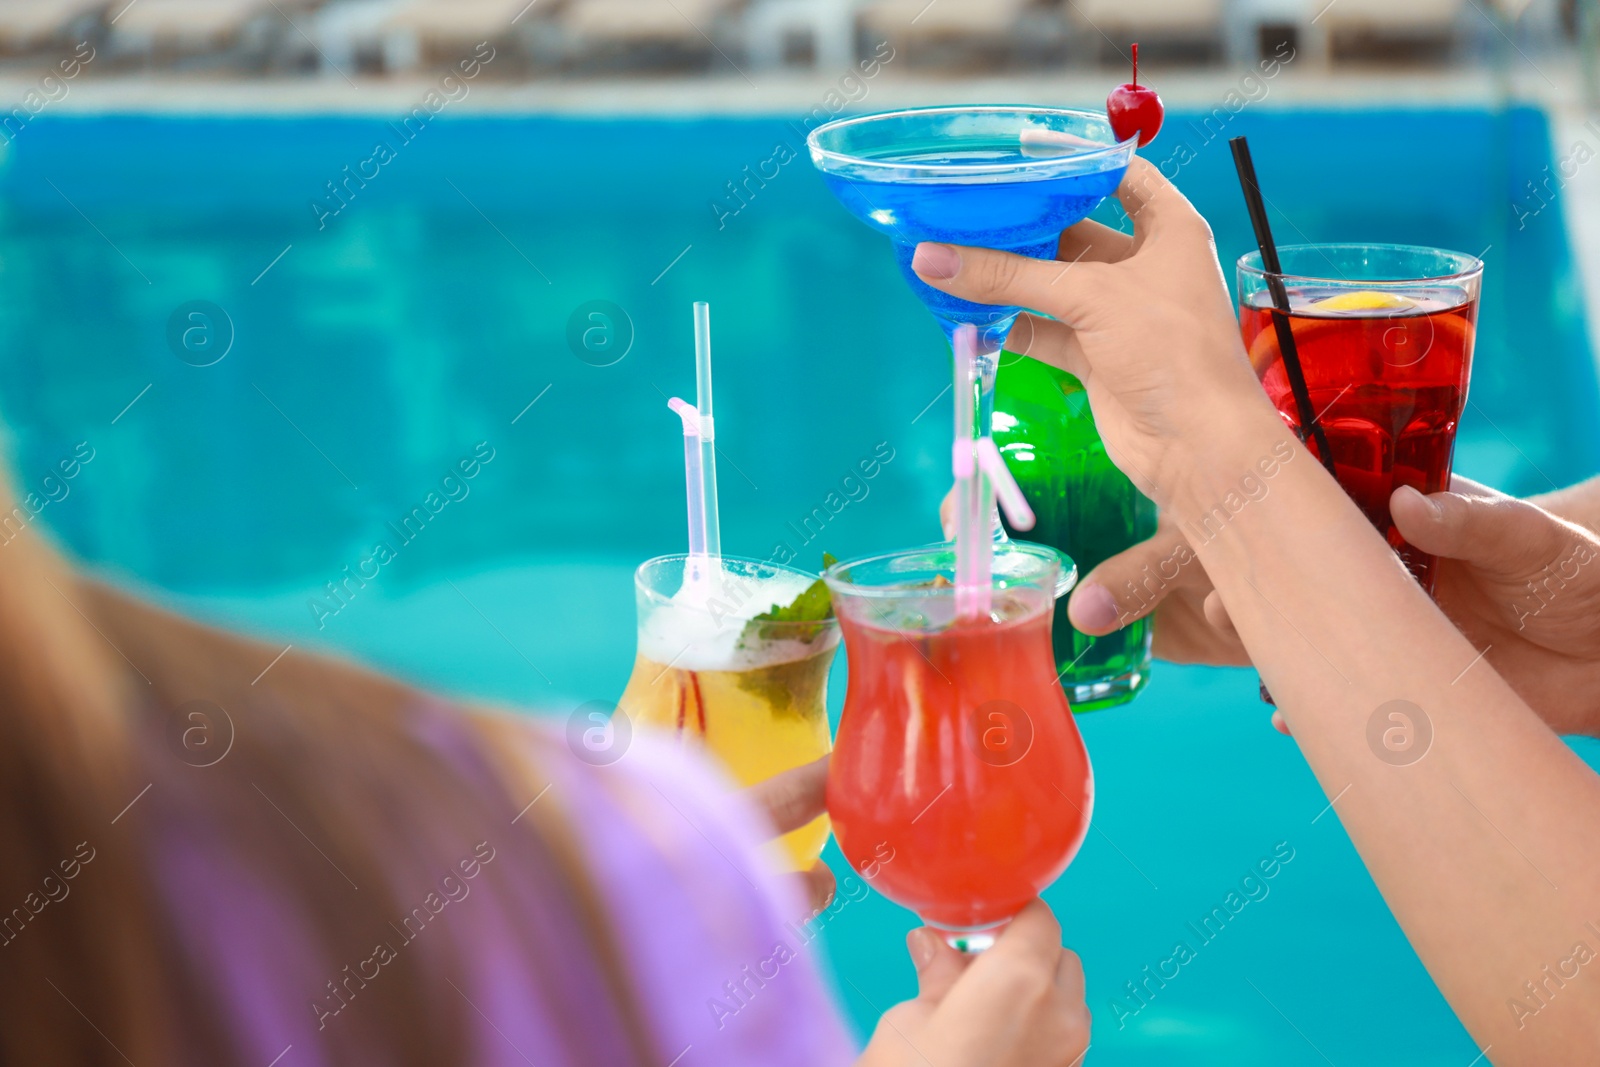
(1008, 177)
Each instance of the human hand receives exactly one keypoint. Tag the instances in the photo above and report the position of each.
(1521, 583)
(1144, 321)
(1020, 1004)
(1576, 503)
(791, 799)
(1160, 575)
(1514, 579)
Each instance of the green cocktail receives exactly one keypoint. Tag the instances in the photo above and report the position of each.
(1085, 507)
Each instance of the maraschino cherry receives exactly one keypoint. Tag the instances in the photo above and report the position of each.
(1134, 109)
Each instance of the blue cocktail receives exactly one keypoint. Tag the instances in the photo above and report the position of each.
(999, 177)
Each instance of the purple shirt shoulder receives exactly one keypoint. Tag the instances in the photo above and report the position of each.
(704, 926)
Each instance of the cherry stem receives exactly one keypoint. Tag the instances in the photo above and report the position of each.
(1136, 65)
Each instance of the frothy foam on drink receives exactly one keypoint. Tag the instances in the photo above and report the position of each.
(689, 634)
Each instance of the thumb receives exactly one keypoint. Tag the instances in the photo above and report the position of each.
(1497, 534)
(938, 965)
(1129, 585)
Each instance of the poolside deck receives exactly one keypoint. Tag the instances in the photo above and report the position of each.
(1552, 80)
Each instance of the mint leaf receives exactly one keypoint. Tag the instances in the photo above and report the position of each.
(813, 605)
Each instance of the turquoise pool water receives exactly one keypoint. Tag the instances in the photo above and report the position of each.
(371, 355)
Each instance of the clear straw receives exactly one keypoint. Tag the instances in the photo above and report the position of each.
(974, 499)
(704, 564)
(695, 476)
(712, 537)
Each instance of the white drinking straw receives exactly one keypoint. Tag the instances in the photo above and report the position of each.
(1038, 136)
(708, 432)
(700, 468)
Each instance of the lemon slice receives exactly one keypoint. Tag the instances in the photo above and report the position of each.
(1363, 300)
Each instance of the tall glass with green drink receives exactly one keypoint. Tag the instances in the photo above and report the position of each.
(1085, 507)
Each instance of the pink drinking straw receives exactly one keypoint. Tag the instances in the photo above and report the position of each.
(974, 542)
(980, 474)
(700, 467)
(1012, 502)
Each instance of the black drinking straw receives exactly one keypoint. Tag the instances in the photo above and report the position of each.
(1280, 298)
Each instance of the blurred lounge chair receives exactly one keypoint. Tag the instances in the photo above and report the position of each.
(645, 32)
(769, 25)
(28, 26)
(1108, 27)
(1257, 28)
(926, 30)
(419, 31)
(240, 32)
(1381, 28)
(349, 34)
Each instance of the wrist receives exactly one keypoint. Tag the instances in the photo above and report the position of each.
(1229, 461)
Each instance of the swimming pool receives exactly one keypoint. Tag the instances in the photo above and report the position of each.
(426, 321)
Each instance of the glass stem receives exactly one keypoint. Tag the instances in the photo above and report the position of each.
(987, 366)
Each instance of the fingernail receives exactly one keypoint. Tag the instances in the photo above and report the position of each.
(936, 261)
(919, 944)
(1094, 608)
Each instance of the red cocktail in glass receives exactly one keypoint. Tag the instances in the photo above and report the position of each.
(959, 780)
(1385, 336)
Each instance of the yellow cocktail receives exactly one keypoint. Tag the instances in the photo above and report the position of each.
(751, 690)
